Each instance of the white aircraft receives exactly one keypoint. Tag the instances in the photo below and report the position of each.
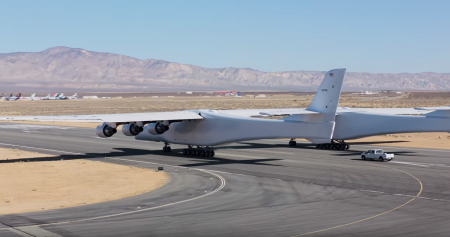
(12, 98)
(53, 97)
(74, 97)
(32, 97)
(61, 97)
(322, 123)
(366, 93)
(46, 97)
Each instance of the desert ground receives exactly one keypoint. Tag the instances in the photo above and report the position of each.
(36, 186)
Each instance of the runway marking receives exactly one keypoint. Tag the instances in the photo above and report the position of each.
(369, 218)
(404, 195)
(420, 164)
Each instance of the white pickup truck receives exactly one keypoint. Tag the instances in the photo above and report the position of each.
(377, 154)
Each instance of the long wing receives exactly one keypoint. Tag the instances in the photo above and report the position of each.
(301, 111)
(112, 118)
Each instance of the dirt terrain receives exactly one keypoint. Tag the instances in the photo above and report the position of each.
(35, 186)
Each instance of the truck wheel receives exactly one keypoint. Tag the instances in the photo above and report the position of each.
(363, 157)
(380, 159)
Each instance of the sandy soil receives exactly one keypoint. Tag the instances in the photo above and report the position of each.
(439, 140)
(36, 186)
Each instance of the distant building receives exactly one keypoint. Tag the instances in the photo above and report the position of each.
(189, 92)
(90, 97)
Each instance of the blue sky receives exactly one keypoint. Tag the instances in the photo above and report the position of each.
(363, 36)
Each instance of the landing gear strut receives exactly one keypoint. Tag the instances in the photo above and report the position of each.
(292, 142)
(335, 144)
(166, 147)
(199, 151)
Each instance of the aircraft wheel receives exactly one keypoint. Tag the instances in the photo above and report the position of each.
(212, 153)
(168, 149)
(328, 146)
(294, 143)
(185, 152)
(347, 146)
(190, 152)
(197, 153)
(317, 146)
(203, 153)
(164, 149)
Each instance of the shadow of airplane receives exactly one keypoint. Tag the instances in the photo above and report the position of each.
(132, 152)
(252, 145)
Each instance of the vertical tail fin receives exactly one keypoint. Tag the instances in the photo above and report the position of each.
(327, 97)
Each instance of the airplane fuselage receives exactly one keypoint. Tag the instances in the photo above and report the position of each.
(219, 128)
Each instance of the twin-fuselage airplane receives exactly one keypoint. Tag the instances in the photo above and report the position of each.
(322, 123)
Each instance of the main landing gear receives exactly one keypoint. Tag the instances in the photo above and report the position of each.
(292, 142)
(199, 151)
(166, 147)
(336, 145)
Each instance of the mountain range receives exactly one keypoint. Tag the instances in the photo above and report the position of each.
(79, 69)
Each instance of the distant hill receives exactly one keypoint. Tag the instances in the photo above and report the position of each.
(73, 68)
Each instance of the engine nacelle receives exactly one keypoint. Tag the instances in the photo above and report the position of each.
(103, 130)
(157, 128)
(131, 129)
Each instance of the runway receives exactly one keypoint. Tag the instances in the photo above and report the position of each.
(254, 188)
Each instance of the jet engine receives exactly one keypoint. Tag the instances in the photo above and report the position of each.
(157, 128)
(131, 129)
(103, 130)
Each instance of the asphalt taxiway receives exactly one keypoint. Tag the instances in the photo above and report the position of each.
(254, 188)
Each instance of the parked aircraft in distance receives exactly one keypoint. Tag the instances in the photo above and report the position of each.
(322, 123)
(366, 93)
(32, 97)
(74, 97)
(47, 97)
(53, 97)
(61, 97)
(12, 98)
